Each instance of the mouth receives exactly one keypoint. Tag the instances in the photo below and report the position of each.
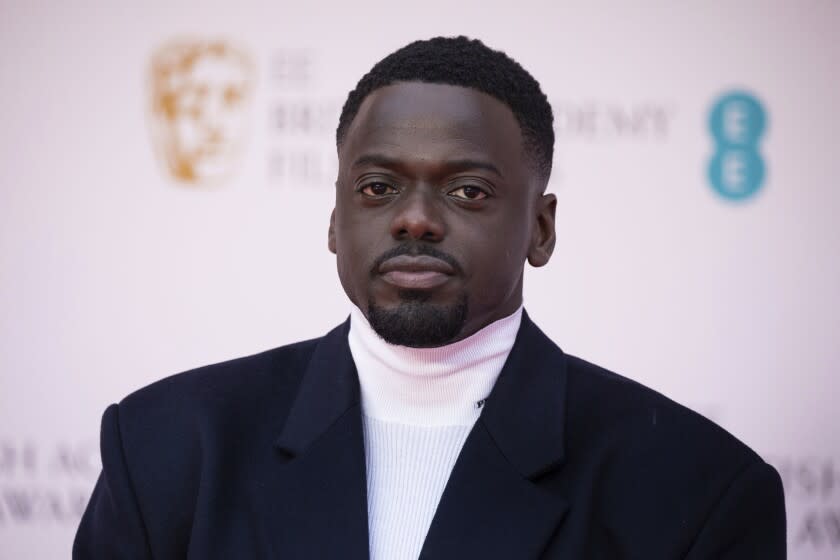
(415, 272)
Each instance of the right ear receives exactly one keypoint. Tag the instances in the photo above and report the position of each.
(331, 233)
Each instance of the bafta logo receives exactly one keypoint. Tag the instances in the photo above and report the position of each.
(200, 91)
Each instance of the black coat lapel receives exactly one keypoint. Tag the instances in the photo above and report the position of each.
(493, 505)
(319, 487)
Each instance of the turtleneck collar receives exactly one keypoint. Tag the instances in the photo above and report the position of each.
(442, 386)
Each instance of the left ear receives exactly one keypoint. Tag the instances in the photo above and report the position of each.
(543, 237)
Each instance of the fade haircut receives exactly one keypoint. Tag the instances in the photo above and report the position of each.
(460, 61)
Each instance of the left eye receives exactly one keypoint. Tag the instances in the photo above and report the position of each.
(469, 193)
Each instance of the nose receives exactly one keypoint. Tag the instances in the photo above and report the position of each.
(418, 218)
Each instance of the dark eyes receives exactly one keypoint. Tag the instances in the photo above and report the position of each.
(468, 192)
(377, 189)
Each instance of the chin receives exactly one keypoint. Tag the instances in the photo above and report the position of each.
(417, 321)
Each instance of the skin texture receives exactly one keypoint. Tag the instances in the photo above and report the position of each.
(441, 170)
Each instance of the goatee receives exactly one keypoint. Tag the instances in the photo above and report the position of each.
(416, 322)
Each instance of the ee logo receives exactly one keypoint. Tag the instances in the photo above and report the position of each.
(737, 122)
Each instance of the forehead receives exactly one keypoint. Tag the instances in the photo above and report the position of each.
(433, 122)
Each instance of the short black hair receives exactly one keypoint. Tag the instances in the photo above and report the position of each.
(460, 61)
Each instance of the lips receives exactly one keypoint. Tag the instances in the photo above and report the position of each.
(415, 272)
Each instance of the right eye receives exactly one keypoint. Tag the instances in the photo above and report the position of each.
(377, 189)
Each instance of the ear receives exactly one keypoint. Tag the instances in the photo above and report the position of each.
(331, 233)
(543, 237)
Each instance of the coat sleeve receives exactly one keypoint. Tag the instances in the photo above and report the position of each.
(748, 521)
(112, 526)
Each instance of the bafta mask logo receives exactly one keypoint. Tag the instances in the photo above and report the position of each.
(200, 92)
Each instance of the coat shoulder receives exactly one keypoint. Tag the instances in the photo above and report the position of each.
(656, 479)
(169, 443)
(230, 383)
(674, 464)
(602, 400)
(175, 427)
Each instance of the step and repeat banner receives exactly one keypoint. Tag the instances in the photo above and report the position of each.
(167, 181)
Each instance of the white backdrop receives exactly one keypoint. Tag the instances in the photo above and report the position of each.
(113, 273)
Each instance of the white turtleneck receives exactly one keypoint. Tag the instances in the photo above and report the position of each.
(419, 405)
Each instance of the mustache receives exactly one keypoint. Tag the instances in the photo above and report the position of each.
(415, 249)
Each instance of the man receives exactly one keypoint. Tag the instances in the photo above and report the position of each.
(438, 422)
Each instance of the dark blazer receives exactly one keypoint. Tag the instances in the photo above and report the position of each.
(263, 457)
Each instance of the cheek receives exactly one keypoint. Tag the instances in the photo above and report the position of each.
(352, 261)
(495, 275)
(496, 263)
(347, 275)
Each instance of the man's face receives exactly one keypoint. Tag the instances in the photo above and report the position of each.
(437, 208)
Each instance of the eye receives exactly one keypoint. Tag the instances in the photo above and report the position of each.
(377, 189)
(469, 192)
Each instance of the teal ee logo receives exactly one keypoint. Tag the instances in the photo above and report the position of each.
(737, 122)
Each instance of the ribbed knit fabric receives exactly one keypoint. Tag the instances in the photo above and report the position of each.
(419, 405)
(407, 470)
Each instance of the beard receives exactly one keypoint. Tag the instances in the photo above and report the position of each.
(416, 322)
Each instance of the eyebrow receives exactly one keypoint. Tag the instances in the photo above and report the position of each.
(456, 164)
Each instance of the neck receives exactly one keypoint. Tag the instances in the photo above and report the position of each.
(445, 385)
